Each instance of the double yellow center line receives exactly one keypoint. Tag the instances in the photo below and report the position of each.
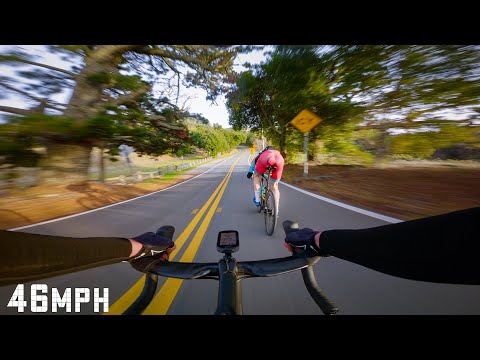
(164, 298)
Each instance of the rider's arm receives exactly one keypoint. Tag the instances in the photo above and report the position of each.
(25, 257)
(443, 248)
(252, 166)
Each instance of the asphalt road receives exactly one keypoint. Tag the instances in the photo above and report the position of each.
(198, 216)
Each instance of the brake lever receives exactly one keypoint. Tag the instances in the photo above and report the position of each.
(144, 263)
(310, 255)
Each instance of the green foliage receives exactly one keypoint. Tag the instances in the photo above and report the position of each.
(48, 127)
(99, 78)
(249, 139)
(272, 94)
(199, 117)
(185, 149)
(117, 81)
(351, 84)
(419, 145)
(431, 77)
(339, 141)
(216, 140)
(452, 134)
(423, 144)
(18, 152)
(294, 145)
(210, 139)
(117, 105)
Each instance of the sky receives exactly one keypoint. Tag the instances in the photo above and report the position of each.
(218, 113)
(196, 103)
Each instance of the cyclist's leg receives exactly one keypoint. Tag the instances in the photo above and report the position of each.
(256, 187)
(276, 193)
(260, 168)
(279, 163)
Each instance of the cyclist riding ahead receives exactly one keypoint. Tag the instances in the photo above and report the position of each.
(268, 157)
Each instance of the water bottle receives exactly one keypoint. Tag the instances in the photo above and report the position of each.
(263, 192)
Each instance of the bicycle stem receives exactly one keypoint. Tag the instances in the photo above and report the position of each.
(229, 292)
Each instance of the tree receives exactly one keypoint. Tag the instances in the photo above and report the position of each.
(216, 140)
(200, 118)
(372, 86)
(110, 80)
(424, 144)
(294, 78)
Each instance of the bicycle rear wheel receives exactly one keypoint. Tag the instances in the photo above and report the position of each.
(270, 212)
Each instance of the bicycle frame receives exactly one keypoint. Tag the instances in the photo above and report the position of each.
(264, 180)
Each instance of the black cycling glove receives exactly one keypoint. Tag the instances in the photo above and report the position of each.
(153, 244)
(304, 239)
(249, 174)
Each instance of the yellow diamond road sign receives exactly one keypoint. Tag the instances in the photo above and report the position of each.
(306, 121)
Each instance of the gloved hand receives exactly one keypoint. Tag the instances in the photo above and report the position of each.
(153, 245)
(249, 174)
(303, 239)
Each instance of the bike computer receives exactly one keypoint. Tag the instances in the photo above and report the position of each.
(228, 241)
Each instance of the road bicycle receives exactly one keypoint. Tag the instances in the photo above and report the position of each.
(229, 272)
(268, 203)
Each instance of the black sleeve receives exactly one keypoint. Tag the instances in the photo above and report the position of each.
(25, 257)
(443, 248)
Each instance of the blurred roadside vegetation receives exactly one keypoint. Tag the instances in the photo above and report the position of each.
(119, 95)
(378, 103)
(205, 141)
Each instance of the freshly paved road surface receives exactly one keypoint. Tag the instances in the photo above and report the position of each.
(355, 289)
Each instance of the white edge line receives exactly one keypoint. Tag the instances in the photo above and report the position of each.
(349, 207)
(121, 202)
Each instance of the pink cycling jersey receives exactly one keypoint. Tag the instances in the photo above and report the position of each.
(270, 158)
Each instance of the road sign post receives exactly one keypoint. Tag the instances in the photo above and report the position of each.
(305, 149)
(305, 121)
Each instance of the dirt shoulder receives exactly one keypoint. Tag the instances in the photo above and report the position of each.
(41, 203)
(404, 193)
(46, 203)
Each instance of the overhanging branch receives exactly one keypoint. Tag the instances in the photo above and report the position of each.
(104, 51)
(129, 98)
(25, 61)
(46, 102)
(172, 55)
(159, 121)
(17, 111)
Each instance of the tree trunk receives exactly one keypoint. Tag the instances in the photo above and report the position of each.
(68, 163)
(102, 165)
(283, 142)
(65, 164)
(383, 149)
(86, 96)
(318, 154)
